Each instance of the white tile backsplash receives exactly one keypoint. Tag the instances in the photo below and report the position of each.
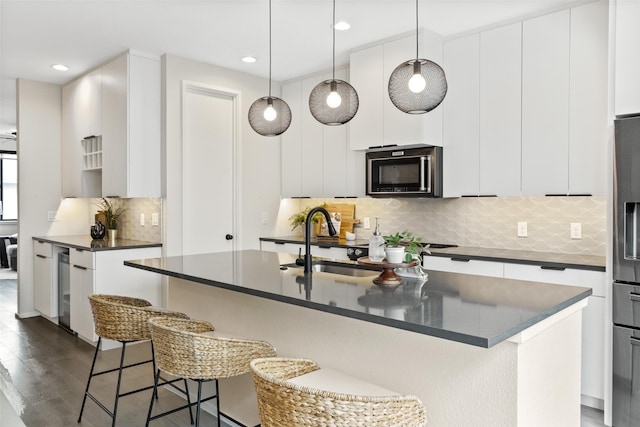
(129, 225)
(488, 221)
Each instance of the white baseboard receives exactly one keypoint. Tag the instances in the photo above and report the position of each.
(592, 402)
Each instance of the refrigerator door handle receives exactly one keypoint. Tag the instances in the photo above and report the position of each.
(634, 297)
(634, 341)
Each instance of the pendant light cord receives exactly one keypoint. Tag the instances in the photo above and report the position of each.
(269, 48)
(417, 54)
(333, 26)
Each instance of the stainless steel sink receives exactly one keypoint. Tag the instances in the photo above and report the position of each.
(337, 268)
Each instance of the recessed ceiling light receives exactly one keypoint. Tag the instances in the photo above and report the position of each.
(249, 59)
(60, 67)
(342, 26)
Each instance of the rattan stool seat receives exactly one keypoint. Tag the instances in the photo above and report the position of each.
(282, 403)
(187, 349)
(123, 319)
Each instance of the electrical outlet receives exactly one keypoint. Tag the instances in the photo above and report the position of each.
(52, 216)
(522, 229)
(576, 230)
(154, 219)
(141, 219)
(265, 217)
(367, 223)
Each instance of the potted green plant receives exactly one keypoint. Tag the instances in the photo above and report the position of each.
(402, 246)
(298, 219)
(112, 214)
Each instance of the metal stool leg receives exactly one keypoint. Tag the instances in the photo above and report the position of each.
(217, 403)
(86, 390)
(154, 394)
(186, 388)
(115, 405)
(198, 404)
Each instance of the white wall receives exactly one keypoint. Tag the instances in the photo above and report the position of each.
(259, 186)
(39, 180)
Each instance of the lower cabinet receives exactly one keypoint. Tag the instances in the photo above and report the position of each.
(104, 272)
(298, 248)
(593, 316)
(45, 290)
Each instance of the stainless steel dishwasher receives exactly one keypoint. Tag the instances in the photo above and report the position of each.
(64, 293)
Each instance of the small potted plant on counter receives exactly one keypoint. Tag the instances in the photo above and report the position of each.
(111, 214)
(401, 247)
(299, 219)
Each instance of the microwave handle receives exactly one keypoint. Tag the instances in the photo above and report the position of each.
(426, 172)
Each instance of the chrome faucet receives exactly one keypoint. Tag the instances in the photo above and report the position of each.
(307, 235)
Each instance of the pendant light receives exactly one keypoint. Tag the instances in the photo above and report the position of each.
(419, 85)
(333, 102)
(269, 115)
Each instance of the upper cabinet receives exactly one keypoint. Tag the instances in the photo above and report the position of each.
(119, 103)
(526, 112)
(131, 127)
(316, 159)
(378, 122)
(627, 60)
(545, 104)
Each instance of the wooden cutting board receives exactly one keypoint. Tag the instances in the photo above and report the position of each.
(347, 212)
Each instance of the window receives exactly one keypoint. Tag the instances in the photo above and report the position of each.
(8, 186)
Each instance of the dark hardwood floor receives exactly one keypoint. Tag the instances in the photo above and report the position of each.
(44, 369)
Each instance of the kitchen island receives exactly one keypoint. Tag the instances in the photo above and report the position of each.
(477, 350)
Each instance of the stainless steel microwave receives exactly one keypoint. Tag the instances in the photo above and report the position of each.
(408, 171)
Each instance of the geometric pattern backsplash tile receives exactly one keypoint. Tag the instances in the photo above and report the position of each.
(129, 224)
(489, 222)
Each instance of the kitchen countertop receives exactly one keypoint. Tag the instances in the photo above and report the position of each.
(86, 243)
(476, 310)
(549, 259)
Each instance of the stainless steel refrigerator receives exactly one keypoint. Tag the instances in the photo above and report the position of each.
(626, 273)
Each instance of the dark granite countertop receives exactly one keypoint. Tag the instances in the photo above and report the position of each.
(477, 310)
(86, 243)
(550, 259)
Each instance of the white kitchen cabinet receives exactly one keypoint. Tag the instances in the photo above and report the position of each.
(593, 317)
(291, 149)
(461, 117)
(588, 96)
(104, 272)
(500, 111)
(627, 60)
(398, 127)
(131, 126)
(316, 159)
(378, 121)
(82, 284)
(297, 248)
(81, 117)
(367, 78)
(461, 264)
(45, 289)
(311, 143)
(545, 104)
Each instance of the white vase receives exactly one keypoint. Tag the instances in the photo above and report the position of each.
(395, 255)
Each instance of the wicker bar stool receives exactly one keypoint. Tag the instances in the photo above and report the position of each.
(296, 392)
(122, 319)
(189, 349)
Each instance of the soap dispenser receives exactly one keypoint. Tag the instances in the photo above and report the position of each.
(376, 245)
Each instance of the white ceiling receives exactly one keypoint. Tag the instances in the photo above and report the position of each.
(85, 33)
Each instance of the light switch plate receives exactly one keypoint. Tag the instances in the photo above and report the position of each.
(141, 219)
(52, 216)
(576, 230)
(522, 229)
(154, 219)
(367, 223)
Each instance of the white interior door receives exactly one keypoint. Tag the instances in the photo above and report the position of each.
(210, 120)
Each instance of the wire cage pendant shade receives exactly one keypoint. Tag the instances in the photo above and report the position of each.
(269, 115)
(333, 102)
(419, 85)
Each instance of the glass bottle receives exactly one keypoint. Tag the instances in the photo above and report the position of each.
(376, 245)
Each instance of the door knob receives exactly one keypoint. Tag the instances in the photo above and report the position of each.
(229, 237)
